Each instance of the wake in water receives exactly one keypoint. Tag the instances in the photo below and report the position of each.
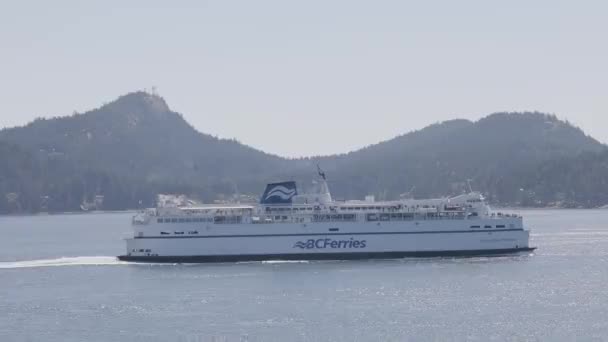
(110, 260)
(64, 261)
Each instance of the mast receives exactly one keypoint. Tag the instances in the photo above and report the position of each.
(325, 195)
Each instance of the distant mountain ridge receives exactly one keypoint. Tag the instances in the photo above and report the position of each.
(132, 148)
(136, 134)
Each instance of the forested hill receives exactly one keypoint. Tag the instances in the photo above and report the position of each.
(139, 136)
(135, 147)
(502, 154)
(127, 151)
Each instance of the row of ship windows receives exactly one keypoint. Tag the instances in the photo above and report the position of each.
(216, 219)
(336, 217)
(498, 226)
(185, 220)
(389, 217)
(192, 232)
(333, 217)
(349, 208)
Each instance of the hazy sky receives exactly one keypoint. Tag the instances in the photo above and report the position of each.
(309, 77)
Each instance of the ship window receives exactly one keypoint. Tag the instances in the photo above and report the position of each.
(179, 233)
(372, 217)
(349, 217)
(488, 227)
(174, 220)
(164, 233)
(188, 220)
(193, 232)
(159, 220)
(500, 226)
(181, 220)
(167, 220)
(475, 227)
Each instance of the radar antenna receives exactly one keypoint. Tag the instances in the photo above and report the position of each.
(469, 185)
(321, 172)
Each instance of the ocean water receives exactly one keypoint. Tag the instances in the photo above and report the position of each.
(59, 281)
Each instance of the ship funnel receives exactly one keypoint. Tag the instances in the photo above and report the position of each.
(279, 193)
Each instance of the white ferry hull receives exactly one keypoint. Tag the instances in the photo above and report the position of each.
(228, 243)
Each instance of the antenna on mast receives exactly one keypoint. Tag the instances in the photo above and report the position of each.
(321, 172)
(469, 184)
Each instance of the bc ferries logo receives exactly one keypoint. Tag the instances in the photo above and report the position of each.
(330, 243)
(281, 192)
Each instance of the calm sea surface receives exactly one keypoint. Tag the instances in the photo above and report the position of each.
(59, 281)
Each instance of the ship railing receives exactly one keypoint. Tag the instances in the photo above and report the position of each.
(408, 216)
(502, 215)
(367, 217)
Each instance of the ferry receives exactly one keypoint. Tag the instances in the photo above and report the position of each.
(288, 225)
